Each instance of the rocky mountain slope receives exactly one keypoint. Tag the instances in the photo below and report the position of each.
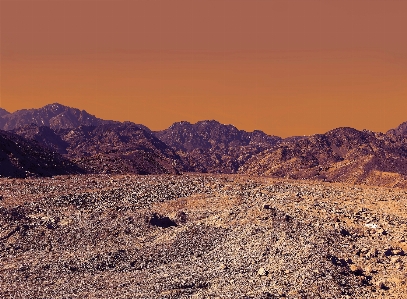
(108, 148)
(119, 148)
(340, 155)
(20, 157)
(55, 116)
(209, 146)
(45, 136)
(343, 154)
(2, 113)
(200, 236)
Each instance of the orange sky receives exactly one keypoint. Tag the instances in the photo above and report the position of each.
(289, 67)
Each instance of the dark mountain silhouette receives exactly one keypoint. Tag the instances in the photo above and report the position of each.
(119, 148)
(209, 146)
(99, 146)
(109, 148)
(20, 157)
(45, 136)
(340, 155)
(3, 112)
(55, 116)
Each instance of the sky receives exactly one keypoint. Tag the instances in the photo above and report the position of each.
(287, 67)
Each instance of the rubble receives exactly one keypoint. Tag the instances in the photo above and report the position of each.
(199, 236)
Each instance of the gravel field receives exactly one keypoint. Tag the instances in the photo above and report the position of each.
(200, 236)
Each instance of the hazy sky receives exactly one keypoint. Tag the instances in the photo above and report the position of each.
(290, 67)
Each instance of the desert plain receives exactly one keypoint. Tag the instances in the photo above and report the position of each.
(200, 236)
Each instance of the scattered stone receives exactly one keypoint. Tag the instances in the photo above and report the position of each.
(381, 284)
(395, 259)
(97, 236)
(356, 269)
(262, 272)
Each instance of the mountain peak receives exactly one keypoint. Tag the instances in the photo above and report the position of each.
(180, 123)
(3, 112)
(57, 106)
(208, 122)
(55, 116)
(209, 146)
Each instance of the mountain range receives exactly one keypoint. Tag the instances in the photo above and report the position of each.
(94, 145)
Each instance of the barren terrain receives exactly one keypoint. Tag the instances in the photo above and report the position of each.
(200, 236)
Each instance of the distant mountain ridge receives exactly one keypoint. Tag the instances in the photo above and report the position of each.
(340, 155)
(119, 148)
(3, 112)
(55, 116)
(108, 148)
(209, 146)
(99, 146)
(209, 134)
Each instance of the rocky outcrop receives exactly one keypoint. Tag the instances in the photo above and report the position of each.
(401, 130)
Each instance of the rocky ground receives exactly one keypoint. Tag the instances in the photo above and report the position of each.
(200, 236)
